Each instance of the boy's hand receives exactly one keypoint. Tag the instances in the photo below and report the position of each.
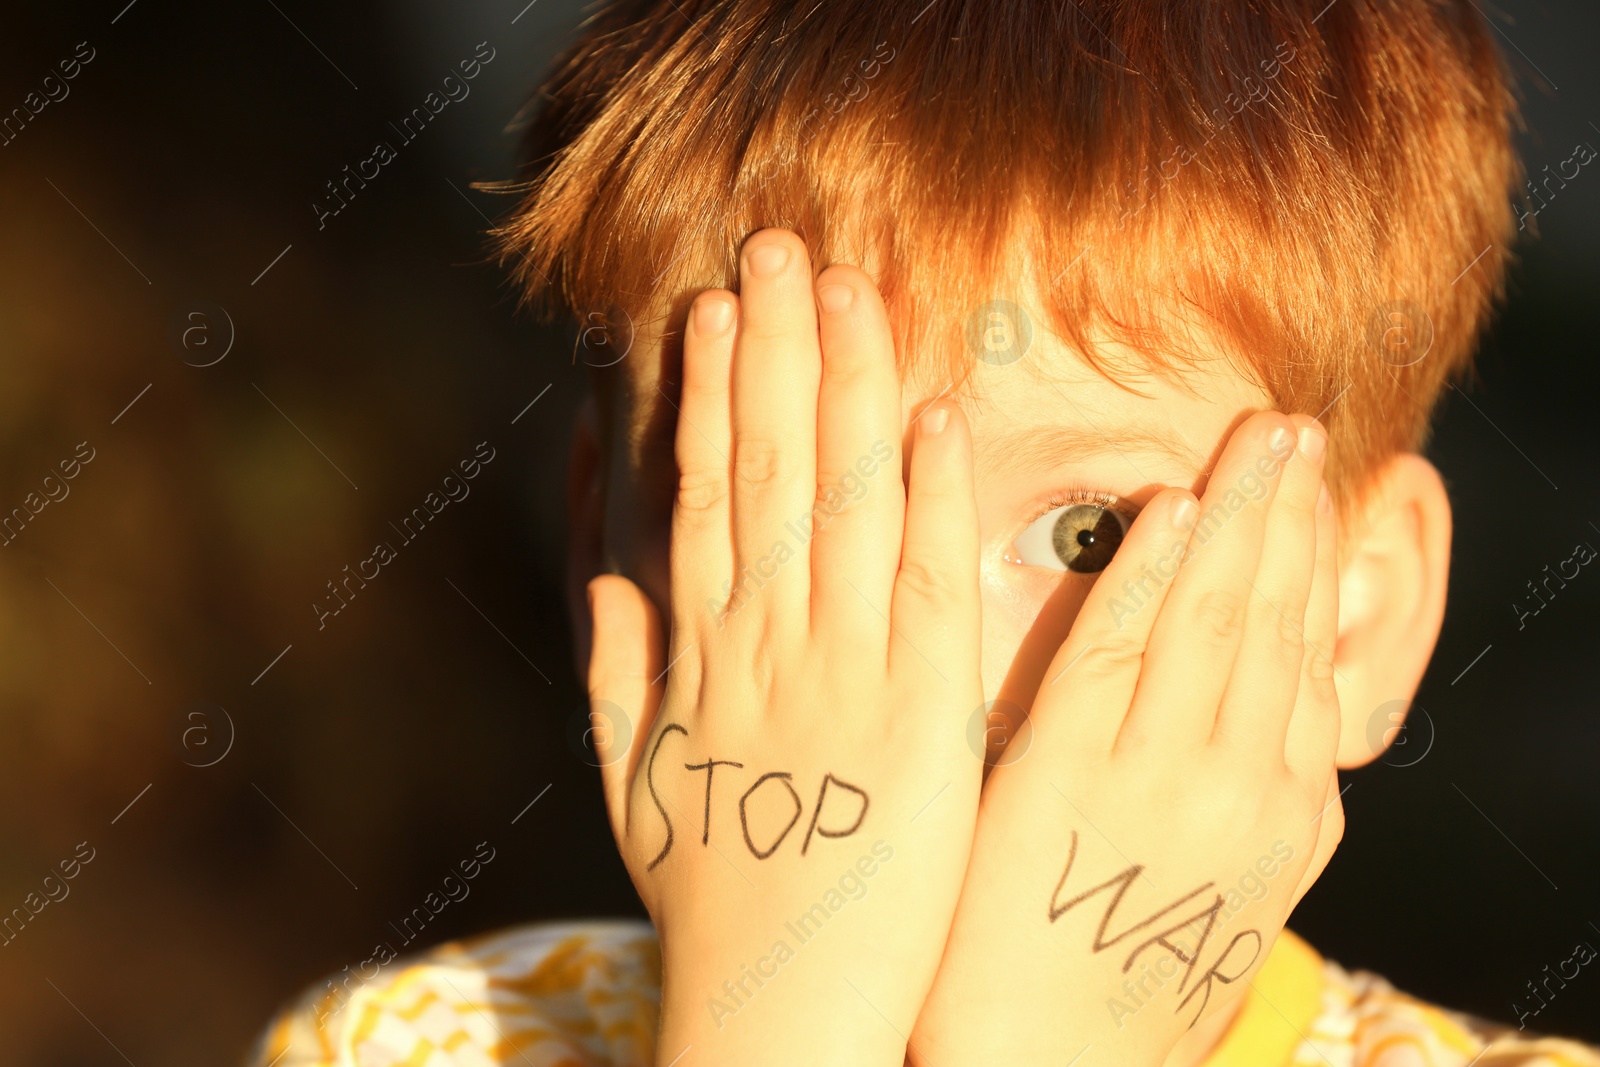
(797, 807)
(1181, 757)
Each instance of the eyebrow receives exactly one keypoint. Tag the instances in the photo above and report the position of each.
(1027, 451)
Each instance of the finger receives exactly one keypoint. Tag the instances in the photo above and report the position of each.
(935, 611)
(625, 685)
(859, 513)
(1312, 742)
(1330, 831)
(1260, 697)
(702, 539)
(776, 368)
(1196, 636)
(1092, 679)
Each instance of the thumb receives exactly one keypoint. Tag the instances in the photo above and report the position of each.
(625, 662)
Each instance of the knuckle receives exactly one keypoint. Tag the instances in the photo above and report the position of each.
(701, 491)
(1219, 614)
(1319, 671)
(765, 330)
(1301, 506)
(925, 581)
(1291, 639)
(1112, 655)
(758, 463)
(844, 368)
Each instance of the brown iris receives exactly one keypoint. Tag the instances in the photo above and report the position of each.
(1085, 537)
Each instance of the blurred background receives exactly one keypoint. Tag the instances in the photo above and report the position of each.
(261, 797)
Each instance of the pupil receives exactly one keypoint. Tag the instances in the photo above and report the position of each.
(1086, 537)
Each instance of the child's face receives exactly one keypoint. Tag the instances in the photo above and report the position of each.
(1064, 457)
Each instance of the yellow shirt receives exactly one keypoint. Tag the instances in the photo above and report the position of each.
(587, 994)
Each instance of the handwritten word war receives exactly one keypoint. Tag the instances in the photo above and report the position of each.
(1252, 886)
(1160, 931)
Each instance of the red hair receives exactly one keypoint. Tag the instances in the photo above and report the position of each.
(1281, 177)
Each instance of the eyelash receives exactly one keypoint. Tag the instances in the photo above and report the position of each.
(1068, 498)
(1083, 496)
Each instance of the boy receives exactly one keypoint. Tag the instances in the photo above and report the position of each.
(972, 641)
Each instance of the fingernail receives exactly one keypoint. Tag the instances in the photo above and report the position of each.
(836, 298)
(1313, 442)
(1184, 510)
(934, 420)
(766, 260)
(1324, 500)
(1280, 442)
(711, 317)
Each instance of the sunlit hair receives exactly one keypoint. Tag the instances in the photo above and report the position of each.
(1281, 177)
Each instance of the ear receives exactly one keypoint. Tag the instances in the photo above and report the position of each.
(1395, 566)
(585, 549)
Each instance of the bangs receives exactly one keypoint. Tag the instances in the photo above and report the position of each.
(1283, 185)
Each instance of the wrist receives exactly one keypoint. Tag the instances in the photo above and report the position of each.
(743, 1019)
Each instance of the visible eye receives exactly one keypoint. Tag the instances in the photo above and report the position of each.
(1073, 537)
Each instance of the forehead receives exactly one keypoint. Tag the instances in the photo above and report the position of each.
(1047, 406)
(1037, 408)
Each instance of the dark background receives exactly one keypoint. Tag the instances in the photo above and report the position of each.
(427, 715)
